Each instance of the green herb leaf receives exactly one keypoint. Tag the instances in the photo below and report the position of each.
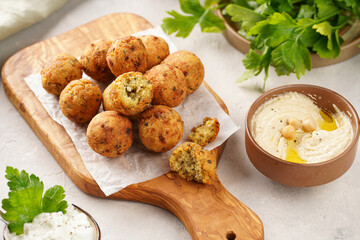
(252, 60)
(53, 200)
(209, 3)
(209, 22)
(183, 24)
(305, 11)
(325, 7)
(192, 7)
(243, 3)
(247, 17)
(282, 5)
(327, 48)
(324, 28)
(308, 35)
(275, 30)
(17, 181)
(300, 56)
(320, 47)
(249, 73)
(26, 199)
(281, 58)
(262, 1)
(255, 63)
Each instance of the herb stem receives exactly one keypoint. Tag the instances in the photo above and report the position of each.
(2, 217)
(298, 36)
(319, 21)
(323, 19)
(219, 6)
(205, 13)
(341, 26)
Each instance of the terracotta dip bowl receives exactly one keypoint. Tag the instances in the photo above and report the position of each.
(303, 174)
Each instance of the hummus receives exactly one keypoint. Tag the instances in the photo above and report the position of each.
(74, 225)
(330, 136)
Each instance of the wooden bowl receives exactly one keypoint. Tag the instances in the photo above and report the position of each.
(348, 50)
(91, 219)
(302, 174)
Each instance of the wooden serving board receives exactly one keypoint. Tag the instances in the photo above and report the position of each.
(207, 211)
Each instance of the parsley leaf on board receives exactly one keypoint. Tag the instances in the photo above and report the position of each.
(204, 16)
(26, 199)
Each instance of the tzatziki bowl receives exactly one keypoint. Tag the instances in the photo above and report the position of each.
(301, 135)
(76, 224)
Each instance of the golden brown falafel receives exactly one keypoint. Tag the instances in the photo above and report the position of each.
(157, 49)
(110, 134)
(127, 54)
(129, 94)
(206, 132)
(59, 72)
(169, 85)
(190, 65)
(160, 128)
(94, 62)
(80, 100)
(192, 162)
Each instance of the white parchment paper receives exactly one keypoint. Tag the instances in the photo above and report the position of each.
(137, 164)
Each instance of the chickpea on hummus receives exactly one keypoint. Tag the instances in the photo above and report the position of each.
(293, 128)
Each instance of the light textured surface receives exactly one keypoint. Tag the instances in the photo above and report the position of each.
(331, 211)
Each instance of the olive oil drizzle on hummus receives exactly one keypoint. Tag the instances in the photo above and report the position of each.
(327, 123)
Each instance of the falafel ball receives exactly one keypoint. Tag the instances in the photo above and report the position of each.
(94, 62)
(129, 94)
(59, 72)
(193, 163)
(169, 85)
(160, 128)
(206, 132)
(110, 134)
(190, 65)
(157, 49)
(80, 100)
(127, 54)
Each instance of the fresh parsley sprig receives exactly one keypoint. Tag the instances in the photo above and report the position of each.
(197, 14)
(283, 33)
(288, 41)
(26, 199)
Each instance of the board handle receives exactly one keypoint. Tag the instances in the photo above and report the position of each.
(208, 211)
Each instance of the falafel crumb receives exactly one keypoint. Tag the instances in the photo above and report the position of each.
(206, 132)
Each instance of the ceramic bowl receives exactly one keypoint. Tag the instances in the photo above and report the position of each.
(348, 50)
(92, 221)
(302, 174)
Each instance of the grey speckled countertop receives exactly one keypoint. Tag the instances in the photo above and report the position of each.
(331, 211)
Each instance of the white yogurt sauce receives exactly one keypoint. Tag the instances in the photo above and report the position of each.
(316, 146)
(74, 225)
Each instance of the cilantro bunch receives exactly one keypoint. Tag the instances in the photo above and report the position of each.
(283, 33)
(26, 199)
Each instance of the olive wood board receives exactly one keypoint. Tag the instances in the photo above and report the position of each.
(208, 211)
